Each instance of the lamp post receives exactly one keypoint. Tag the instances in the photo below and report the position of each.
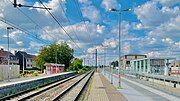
(8, 28)
(119, 36)
(104, 59)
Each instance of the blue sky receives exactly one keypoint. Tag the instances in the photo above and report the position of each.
(152, 27)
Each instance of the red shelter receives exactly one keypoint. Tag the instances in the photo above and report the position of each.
(51, 68)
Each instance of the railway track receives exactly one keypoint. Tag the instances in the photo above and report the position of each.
(66, 90)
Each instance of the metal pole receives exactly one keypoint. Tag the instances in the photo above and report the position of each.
(96, 58)
(56, 58)
(104, 61)
(119, 34)
(8, 56)
(84, 62)
(23, 62)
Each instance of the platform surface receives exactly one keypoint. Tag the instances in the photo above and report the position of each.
(100, 89)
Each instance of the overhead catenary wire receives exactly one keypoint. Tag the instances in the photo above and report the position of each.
(33, 21)
(21, 29)
(81, 15)
(69, 21)
(56, 20)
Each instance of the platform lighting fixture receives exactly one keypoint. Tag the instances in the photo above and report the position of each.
(119, 34)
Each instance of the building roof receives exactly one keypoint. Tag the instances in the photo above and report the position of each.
(5, 54)
(153, 58)
(26, 55)
(53, 64)
(135, 55)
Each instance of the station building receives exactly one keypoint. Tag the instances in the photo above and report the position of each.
(125, 60)
(148, 65)
(51, 68)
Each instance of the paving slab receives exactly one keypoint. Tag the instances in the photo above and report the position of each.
(101, 89)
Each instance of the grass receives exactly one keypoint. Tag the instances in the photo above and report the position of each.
(119, 87)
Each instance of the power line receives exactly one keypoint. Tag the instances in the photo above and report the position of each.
(21, 29)
(33, 21)
(69, 21)
(54, 17)
(81, 15)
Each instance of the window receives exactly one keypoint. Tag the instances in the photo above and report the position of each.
(127, 62)
(142, 63)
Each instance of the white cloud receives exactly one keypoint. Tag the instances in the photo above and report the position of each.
(153, 40)
(91, 50)
(169, 29)
(83, 37)
(126, 48)
(87, 12)
(20, 43)
(86, 2)
(168, 40)
(169, 2)
(110, 43)
(177, 44)
(100, 29)
(125, 28)
(109, 4)
(153, 54)
(54, 4)
(151, 16)
(138, 26)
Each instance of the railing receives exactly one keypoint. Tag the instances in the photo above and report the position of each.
(167, 84)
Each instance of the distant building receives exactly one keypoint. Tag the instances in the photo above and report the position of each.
(148, 65)
(28, 59)
(125, 60)
(4, 58)
(51, 68)
(175, 67)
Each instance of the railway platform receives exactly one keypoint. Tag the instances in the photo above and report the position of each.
(28, 79)
(25, 84)
(100, 89)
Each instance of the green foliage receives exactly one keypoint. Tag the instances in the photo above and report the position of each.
(81, 71)
(13, 92)
(35, 74)
(48, 55)
(76, 64)
(114, 63)
(87, 68)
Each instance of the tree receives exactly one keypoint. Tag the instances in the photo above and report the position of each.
(76, 64)
(114, 63)
(48, 55)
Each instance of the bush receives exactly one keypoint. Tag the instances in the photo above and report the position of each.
(81, 71)
(35, 74)
(84, 69)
